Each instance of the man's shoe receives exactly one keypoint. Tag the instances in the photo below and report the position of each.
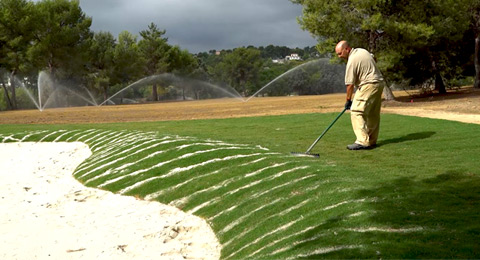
(356, 146)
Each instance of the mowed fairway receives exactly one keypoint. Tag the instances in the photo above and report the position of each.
(415, 196)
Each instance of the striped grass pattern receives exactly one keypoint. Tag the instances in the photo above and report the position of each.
(261, 204)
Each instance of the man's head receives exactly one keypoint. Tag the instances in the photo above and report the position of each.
(343, 50)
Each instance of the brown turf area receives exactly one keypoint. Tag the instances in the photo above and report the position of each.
(464, 101)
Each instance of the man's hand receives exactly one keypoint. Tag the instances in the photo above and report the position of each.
(348, 104)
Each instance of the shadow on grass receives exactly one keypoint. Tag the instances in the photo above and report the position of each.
(409, 137)
(439, 217)
(434, 218)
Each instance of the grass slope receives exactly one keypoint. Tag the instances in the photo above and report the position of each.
(416, 196)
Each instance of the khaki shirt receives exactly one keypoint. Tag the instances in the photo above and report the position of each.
(361, 68)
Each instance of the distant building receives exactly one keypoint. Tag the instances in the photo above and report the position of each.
(293, 56)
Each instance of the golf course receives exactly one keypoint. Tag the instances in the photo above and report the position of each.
(269, 130)
(228, 162)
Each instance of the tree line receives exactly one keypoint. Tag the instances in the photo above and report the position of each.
(54, 36)
(414, 41)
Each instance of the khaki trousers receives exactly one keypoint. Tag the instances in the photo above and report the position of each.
(365, 113)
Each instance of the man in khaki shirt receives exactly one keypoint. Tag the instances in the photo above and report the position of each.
(362, 72)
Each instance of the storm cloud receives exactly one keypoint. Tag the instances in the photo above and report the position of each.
(203, 25)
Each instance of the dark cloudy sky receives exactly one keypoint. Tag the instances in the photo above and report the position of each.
(203, 25)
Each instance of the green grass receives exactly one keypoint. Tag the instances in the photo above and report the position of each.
(415, 196)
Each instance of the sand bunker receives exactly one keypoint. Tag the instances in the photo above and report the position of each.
(47, 214)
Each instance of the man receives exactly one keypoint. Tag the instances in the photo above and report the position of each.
(362, 72)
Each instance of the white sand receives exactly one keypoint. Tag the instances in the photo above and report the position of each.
(46, 214)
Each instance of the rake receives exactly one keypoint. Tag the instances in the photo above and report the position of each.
(307, 153)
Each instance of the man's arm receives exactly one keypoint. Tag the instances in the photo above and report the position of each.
(350, 89)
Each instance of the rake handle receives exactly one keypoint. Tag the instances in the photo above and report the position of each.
(326, 130)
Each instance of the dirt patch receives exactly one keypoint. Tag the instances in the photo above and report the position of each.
(459, 104)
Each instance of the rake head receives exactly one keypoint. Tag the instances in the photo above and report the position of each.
(313, 155)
